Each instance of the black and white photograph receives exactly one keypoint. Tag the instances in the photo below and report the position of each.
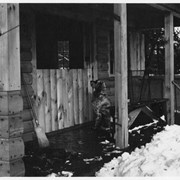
(89, 89)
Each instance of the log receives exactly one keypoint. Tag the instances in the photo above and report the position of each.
(26, 115)
(26, 67)
(30, 136)
(26, 44)
(28, 126)
(27, 78)
(26, 56)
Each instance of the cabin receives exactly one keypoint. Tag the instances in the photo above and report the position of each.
(54, 50)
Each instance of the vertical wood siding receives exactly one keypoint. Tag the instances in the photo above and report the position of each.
(68, 103)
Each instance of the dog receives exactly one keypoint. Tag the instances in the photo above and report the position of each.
(101, 105)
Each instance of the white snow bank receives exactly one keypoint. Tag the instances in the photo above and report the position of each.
(160, 157)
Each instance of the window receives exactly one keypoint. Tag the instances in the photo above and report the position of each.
(63, 54)
(59, 42)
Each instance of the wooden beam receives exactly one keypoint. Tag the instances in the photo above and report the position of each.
(121, 101)
(169, 67)
(167, 8)
(11, 102)
(9, 48)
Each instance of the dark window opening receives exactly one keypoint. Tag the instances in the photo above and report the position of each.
(59, 43)
(63, 54)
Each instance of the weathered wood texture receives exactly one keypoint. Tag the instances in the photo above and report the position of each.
(9, 48)
(11, 103)
(120, 38)
(27, 68)
(102, 40)
(137, 53)
(169, 67)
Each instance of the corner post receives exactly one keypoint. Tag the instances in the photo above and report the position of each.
(11, 103)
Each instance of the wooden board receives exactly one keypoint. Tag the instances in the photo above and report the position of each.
(47, 104)
(54, 108)
(169, 68)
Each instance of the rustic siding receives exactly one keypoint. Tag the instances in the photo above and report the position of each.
(26, 69)
(103, 58)
(61, 97)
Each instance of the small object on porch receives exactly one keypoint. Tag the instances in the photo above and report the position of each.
(41, 136)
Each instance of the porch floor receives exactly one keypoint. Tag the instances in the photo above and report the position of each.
(81, 151)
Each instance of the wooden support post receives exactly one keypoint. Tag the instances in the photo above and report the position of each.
(169, 68)
(121, 99)
(11, 104)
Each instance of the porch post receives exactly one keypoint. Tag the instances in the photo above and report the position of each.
(11, 104)
(169, 67)
(121, 99)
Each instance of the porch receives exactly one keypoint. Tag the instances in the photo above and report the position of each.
(33, 39)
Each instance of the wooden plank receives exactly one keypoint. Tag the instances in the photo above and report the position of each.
(11, 126)
(9, 48)
(82, 99)
(89, 95)
(12, 168)
(120, 38)
(75, 96)
(54, 108)
(40, 99)
(64, 98)
(59, 98)
(14, 146)
(70, 97)
(47, 91)
(11, 102)
(169, 67)
(85, 96)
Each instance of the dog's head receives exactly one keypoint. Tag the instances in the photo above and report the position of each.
(98, 86)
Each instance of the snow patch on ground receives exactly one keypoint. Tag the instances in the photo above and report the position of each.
(160, 157)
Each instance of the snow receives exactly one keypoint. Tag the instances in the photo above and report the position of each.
(160, 157)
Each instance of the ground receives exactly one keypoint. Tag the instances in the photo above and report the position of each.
(83, 152)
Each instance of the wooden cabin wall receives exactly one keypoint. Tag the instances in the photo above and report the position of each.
(26, 71)
(103, 57)
(137, 53)
(61, 97)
